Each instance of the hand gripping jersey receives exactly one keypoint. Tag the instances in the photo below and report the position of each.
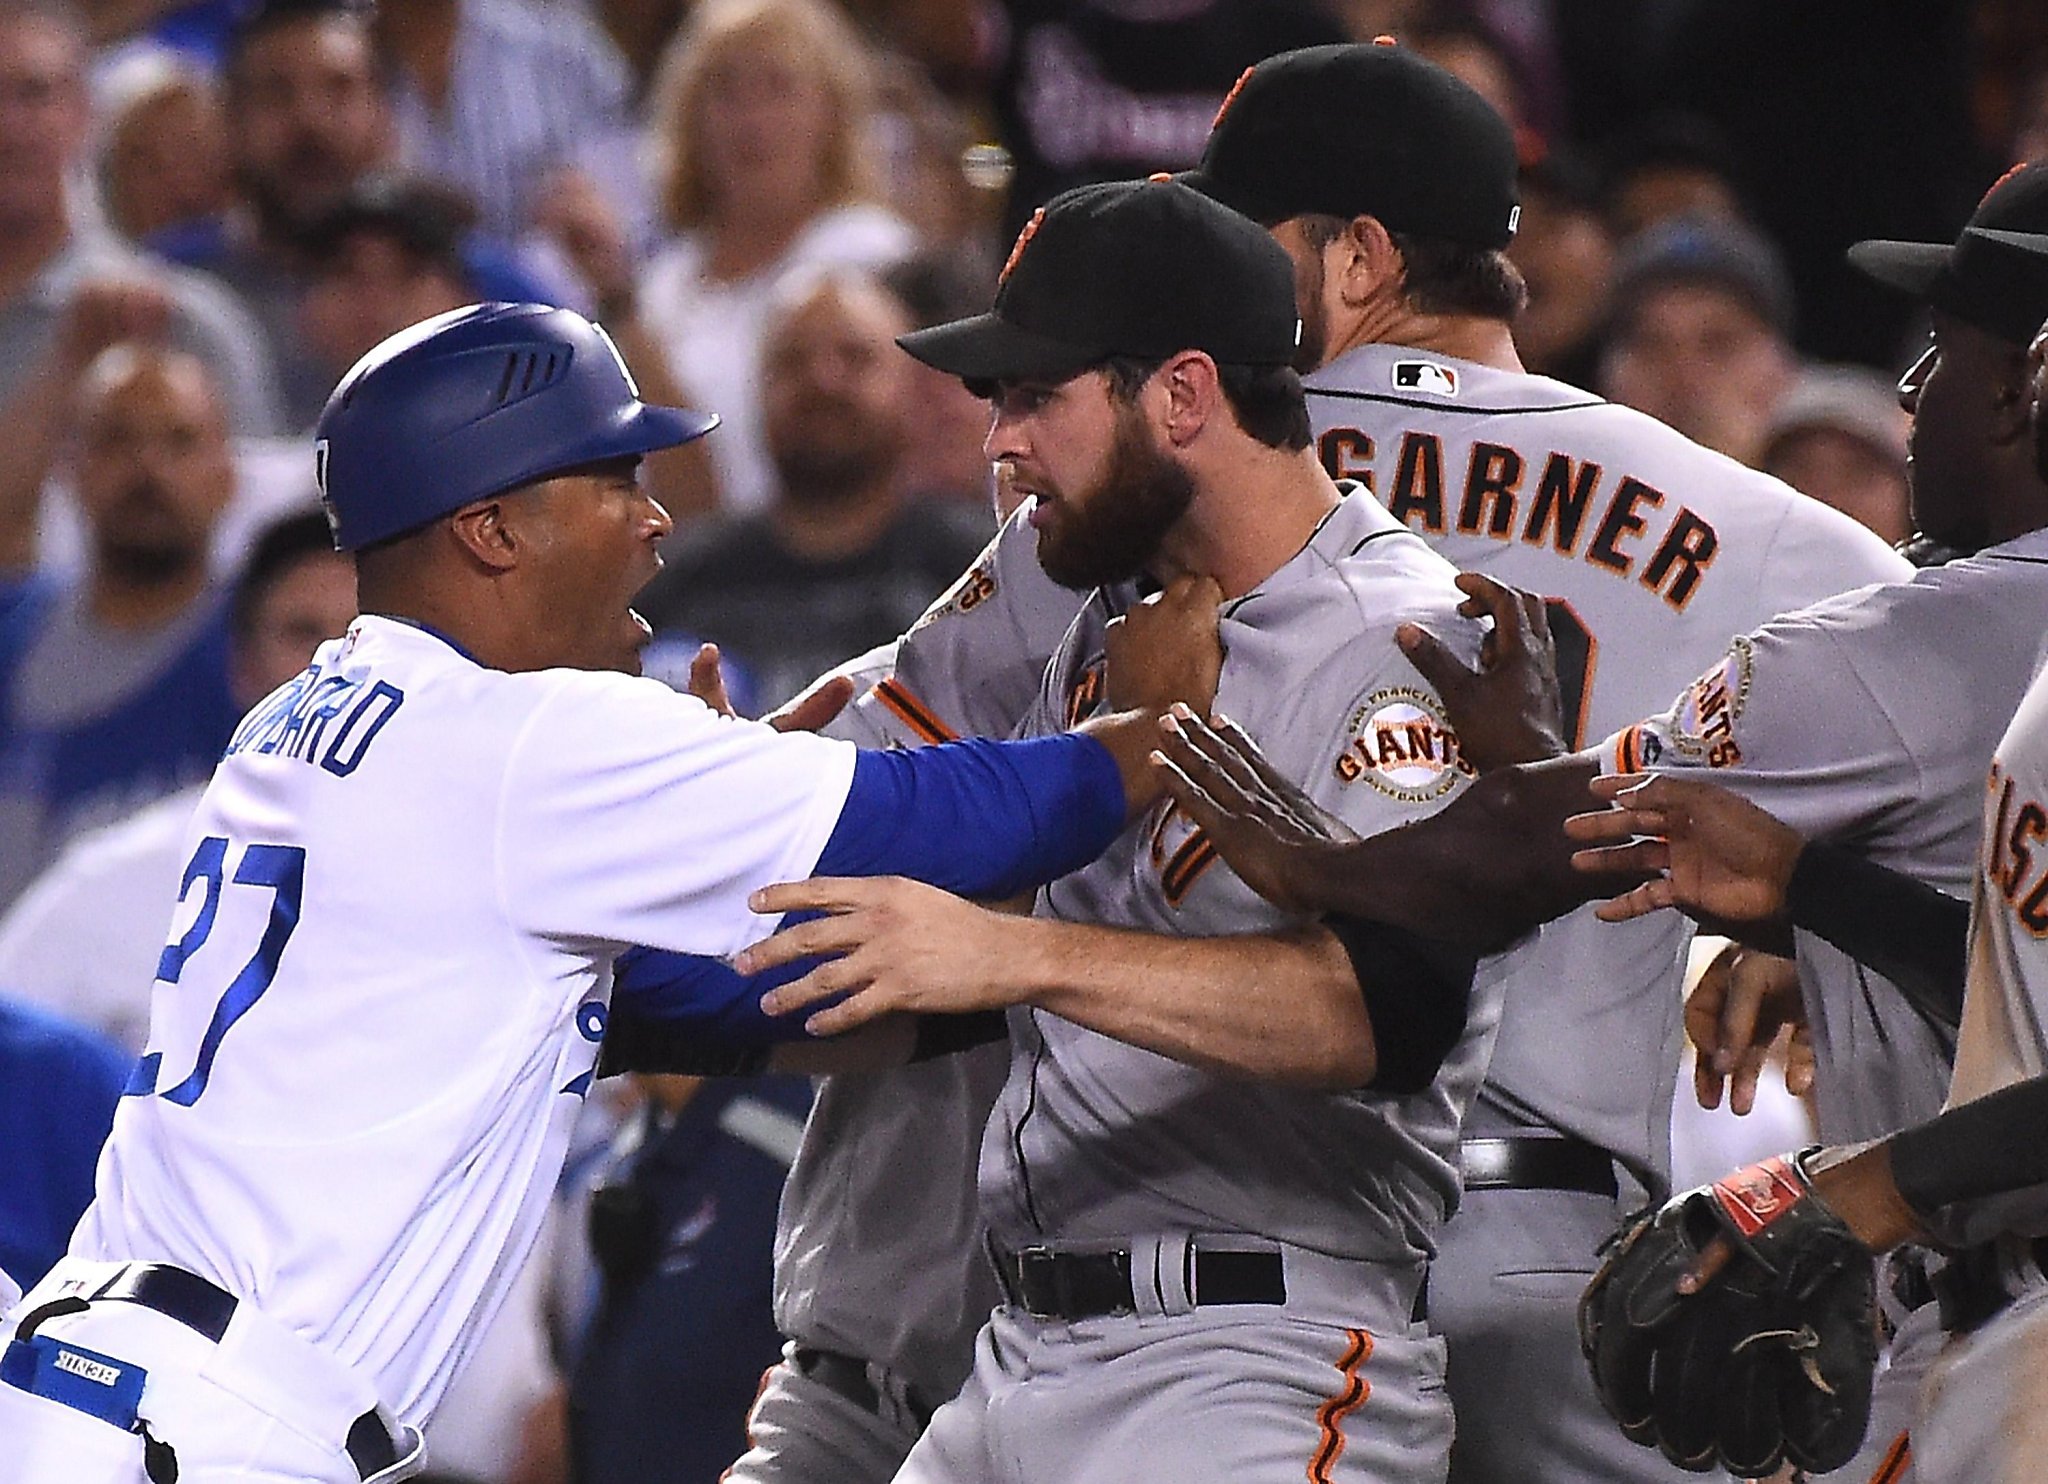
(1096, 1140)
(387, 978)
(1652, 551)
(1869, 720)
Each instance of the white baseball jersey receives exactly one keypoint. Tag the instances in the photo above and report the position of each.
(878, 1248)
(381, 1003)
(1094, 1140)
(1652, 551)
(1869, 720)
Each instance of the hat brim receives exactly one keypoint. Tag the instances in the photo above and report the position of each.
(2028, 242)
(641, 429)
(1911, 267)
(987, 348)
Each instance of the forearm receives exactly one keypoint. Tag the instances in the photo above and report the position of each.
(1480, 873)
(32, 424)
(1986, 1148)
(1283, 1008)
(1910, 933)
(978, 818)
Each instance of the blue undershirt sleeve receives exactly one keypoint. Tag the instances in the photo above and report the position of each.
(978, 818)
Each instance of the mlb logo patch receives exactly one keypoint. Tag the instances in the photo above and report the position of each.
(1425, 376)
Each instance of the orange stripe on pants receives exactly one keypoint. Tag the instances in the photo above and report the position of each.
(1349, 1398)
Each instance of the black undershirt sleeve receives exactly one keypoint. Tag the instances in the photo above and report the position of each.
(1989, 1147)
(1417, 995)
(1909, 932)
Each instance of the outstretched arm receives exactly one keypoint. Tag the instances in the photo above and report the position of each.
(1285, 1007)
(1479, 873)
(1721, 859)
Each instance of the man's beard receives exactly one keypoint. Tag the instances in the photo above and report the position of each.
(1116, 530)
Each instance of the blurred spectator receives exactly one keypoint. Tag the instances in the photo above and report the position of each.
(307, 118)
(764, 112)
(310, 122)
(59, 1085)
(1567, 258)
(1666, 167)
(683, 1229)
(1839, 435)
(1089, 90)
(1474, 55)
(1701, 335)
(394, 250)
(840, 561)
(164, 162)
(493, 96)
(84, 939)
(2030, 131)
(388, 254)
(69, 289)
(925, 145)
(114, 685)
(944, 457)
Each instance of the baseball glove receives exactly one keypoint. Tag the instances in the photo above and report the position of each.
(1771, 1360)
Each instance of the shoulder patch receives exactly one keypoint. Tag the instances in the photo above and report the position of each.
(1703, 729)
(974, 587)
(1401, 743)
(1426, 376)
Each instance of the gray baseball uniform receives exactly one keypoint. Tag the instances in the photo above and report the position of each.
(1981, 1414)
(1870, 719)
(1100, 1147)
(878, 1249)
(1651, 550)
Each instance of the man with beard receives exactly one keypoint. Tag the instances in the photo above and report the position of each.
(1218, 1161)
(69, 288)
(114, 686)
(309, 119)
(842, 560)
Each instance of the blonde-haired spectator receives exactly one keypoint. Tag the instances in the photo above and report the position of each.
(764, 113)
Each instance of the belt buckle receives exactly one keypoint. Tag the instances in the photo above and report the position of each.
(1030, 1265)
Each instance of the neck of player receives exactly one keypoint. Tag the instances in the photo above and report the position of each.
(1251, 515)
(1388, 319)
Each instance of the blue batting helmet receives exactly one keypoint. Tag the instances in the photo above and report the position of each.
(472, 403)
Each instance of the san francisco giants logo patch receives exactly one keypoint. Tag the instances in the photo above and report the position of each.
(1030, 231)
(1704, 728)
(1402, 744)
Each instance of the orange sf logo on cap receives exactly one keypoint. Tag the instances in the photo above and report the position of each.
(1231, 96)
(1030, 231)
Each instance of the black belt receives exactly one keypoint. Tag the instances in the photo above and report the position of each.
(208, 1309)
(1087, 1285)
(1537, 1162)
(847, 1376)
(1971, 1288)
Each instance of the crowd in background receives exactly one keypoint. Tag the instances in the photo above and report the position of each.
(209, 210)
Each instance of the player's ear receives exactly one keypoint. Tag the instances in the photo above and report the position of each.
(482, 531)
(1194, 394)
(1368, 263)
(2013, 401)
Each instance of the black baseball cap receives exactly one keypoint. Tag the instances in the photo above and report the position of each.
(1983, 278)
(1363, 130)
(1142, 268)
